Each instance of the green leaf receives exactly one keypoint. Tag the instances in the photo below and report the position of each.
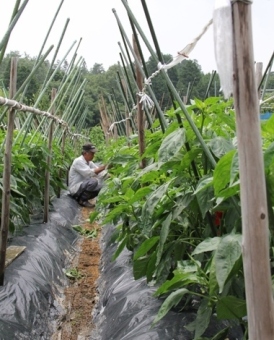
(180, 280)
(234, 172)
(212, 282)
(200, 324)
(171, 301)
(205, 195)
(120, 248)
(140, 194)
(140, 267)
(145, 247)
(114, 199)
(203, 318)
(230, 307)
(153, 199)
(227, 254)
(208, 244)
(122, 159)
(182, 203)
(221, 177)
(163, 237)
(190, 156)
(151, 267)
(171, 145)
(93, 216)
(115, 212)
(204, 183)
(220, 146)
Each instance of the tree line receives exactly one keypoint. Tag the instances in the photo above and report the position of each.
(115, 83)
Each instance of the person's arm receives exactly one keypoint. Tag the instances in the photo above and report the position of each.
(98, 169)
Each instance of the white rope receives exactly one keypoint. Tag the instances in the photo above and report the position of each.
(145, 100)
(183, 54)
(21, 107)
(118, 122)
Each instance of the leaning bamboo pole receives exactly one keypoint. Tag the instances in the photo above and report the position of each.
(161, 116)
(140, 111)
(259, 77)
(14, 13)
(26, 125)
(55, 54)
(255, 247)
(6, 36)
(27, 80)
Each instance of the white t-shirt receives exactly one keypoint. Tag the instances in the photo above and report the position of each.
(79, 171)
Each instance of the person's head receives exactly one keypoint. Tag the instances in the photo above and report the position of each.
(88, 151)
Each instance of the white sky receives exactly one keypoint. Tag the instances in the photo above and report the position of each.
(176, 22)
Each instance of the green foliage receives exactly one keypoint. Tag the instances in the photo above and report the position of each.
(85, 232)
(168, 214)
(28, 176)
(73, 274)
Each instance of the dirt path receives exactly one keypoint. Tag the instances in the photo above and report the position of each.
(81, 295)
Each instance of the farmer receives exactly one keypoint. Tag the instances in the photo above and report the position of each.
(85, 177)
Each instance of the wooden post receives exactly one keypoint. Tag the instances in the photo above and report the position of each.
(140, 111)
(47, 173)
(6, 174)
(259, 76)
(259, 296)
(63, 156)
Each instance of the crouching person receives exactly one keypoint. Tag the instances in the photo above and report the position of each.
(85, 177)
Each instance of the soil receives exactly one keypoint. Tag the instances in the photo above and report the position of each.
(81, 294)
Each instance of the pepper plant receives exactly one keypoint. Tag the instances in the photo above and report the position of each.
(184, 227)
(28, 176)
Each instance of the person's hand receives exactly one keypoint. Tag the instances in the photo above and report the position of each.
(99, 169)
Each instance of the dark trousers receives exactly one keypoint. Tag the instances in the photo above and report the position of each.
(88, 189)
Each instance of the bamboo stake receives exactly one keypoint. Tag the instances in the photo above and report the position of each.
(18, 92)
(259, 77)
(259, 296)
(56, 52)
(5, 39)
(140, 112)
(126, 74)
(210, 83)
(172, 88)
(161, 116)
(29, 119)
(60, 94)
(47, 172)
(5, 215)
(128, 54)
(266, 74)
(128, 127)
(44, 43)
(158, 51)
(14, 13)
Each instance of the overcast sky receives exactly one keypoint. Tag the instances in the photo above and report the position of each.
(176, 22)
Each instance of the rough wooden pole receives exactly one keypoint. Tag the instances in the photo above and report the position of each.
(63, 156)
(259, 296)
(5, 215)
(47, 173)
(140, 111)
(259, 76)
